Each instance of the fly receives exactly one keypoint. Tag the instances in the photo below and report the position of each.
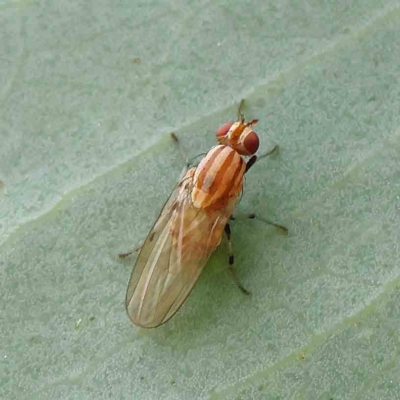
(191, 225)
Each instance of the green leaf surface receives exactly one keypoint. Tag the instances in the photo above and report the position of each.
(89, 93)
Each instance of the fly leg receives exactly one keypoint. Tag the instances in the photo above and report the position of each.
(232, 261)
(188, 162)
(124, 255)
(187, 165)
(183, 153)
(136, 249)
(249, 164)
(254, 158)
(281, 228)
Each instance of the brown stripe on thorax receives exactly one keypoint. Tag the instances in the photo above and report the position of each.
(218, 177)
(224, 174)
(205, 164)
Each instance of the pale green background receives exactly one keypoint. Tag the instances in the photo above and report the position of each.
(87, 163)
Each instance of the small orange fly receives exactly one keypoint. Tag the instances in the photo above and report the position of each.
(190, 227)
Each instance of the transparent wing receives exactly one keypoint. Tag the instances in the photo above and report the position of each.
(173, 256)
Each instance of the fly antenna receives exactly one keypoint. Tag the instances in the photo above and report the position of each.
(240, 114)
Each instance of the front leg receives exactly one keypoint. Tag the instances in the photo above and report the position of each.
(253, 159)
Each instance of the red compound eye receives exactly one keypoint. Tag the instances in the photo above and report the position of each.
(223, 130)
(251, 143)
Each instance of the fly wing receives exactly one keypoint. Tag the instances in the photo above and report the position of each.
(173, 256)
